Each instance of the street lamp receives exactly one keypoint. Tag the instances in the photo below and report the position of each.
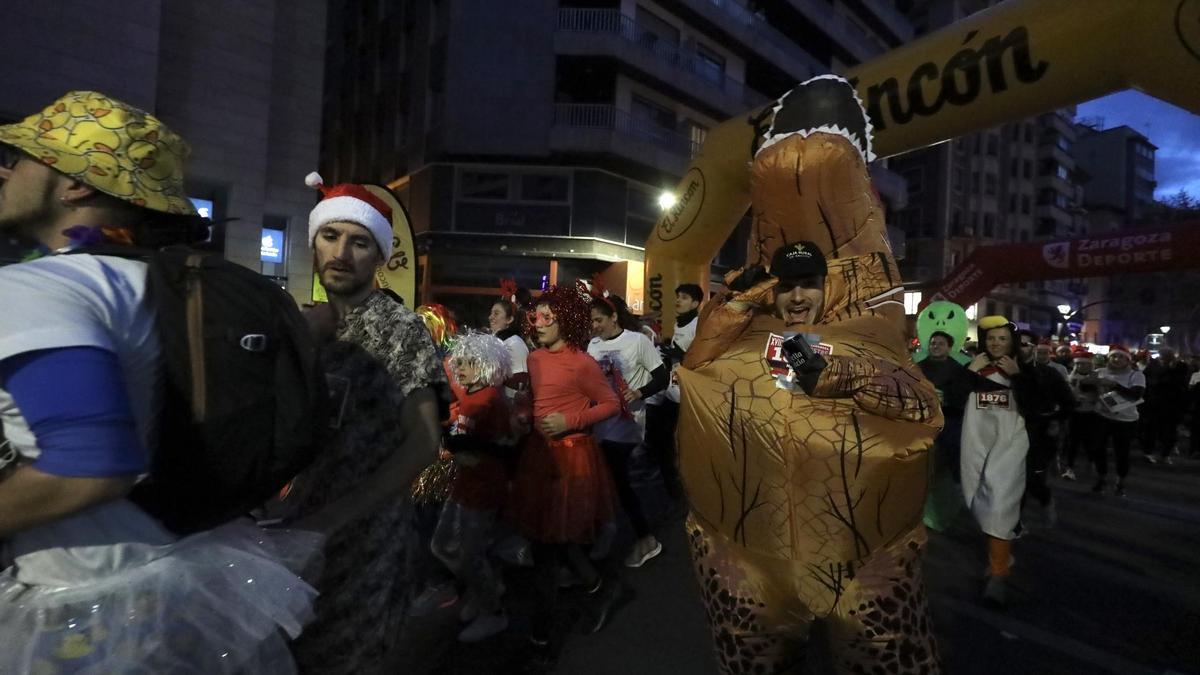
(666, 200)
(1065, 310)
(1164, 329)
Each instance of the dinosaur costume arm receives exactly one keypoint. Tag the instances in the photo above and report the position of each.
(724, 319)
(879, 387)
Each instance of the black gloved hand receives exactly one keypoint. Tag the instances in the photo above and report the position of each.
(749, 278)
(671, 354)
(804, 362)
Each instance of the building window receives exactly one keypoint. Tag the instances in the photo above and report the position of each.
(655, 29)
(1027, 168)
(1025, 206)
(989, 225)
(697, 132)
(1029, 132)
(956, 223)
(958, 180)
(993, 145)
(1014, 168)
(483, 185)
(975, 182)
(644, 109)
(536, 187)
(914, 177)
(710, 65)
(1062, 172)
(990, 183)
(991, 308)
(1022, 315)
(1064, 143)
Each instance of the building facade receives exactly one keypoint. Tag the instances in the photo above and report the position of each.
(535, 143)
(1010, 184)
(241, 81)
(1119, 166)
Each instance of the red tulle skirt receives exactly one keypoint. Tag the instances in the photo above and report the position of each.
(564, 491)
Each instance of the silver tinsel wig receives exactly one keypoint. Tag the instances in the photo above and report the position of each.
(487, 352)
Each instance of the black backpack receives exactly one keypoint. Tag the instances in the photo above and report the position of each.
(244, 399)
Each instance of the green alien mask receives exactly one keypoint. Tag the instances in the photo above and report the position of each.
(944, 317)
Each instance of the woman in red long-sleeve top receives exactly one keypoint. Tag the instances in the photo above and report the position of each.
(564, 492)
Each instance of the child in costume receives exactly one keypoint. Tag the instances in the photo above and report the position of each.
(478, 434)
(564, 495)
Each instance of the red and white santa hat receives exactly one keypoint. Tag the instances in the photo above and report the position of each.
(351, 203)
(1118, 348)
(1080, 354)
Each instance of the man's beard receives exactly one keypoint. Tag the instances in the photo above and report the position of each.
(346, 285)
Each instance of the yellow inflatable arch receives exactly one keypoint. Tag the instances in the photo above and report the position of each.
(1018, 59)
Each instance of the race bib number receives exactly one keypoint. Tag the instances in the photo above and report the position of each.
(993, 400)
(777, 361)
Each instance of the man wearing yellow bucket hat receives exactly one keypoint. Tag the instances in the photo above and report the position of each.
(90, 160)
(88, 580)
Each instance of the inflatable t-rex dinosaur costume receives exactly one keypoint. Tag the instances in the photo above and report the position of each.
(808, 507)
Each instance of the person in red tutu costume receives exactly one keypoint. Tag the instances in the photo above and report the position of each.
(564, 496)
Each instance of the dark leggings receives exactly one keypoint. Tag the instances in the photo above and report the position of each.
(1083, 434)
(547, 559)
(1041, 450)
(660, 439)
(1122, 434)
(617, 455)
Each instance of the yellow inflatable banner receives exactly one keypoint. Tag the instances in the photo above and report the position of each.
(1018, 59)
(399, 273)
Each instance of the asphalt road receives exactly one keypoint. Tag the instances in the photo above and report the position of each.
(1112, 589)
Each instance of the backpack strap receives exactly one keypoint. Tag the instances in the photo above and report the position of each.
(195, 335)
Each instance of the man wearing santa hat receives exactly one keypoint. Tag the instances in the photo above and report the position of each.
(383, 371)
(1084, 422)
(1121, 389)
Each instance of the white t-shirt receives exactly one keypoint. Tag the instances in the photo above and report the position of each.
(634, 355)
(81, 301)
(518, 352)
(1115, 405)
(682, 338)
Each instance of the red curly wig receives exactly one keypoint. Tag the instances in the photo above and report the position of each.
(572, 312)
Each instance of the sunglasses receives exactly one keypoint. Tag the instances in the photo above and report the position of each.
(9, 157)
(542, 319)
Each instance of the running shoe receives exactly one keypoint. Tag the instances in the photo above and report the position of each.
(644, 549)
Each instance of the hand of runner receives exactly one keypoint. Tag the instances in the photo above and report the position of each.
(632, 395)
(1009, 365)
(554, 424)
(978, 363)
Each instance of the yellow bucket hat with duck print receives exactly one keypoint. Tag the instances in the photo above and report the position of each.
(112, 146)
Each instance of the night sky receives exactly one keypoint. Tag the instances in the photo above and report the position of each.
(1175, 131)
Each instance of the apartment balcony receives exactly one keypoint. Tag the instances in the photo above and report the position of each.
(606, 129)
(764, 39)
(608, 32)
(891, 18)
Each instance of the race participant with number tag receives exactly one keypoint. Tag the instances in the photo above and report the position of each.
(994, 445)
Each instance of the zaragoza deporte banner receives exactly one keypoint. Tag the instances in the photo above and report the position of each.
(1144, 249)
(400, 272)
(1015, 60)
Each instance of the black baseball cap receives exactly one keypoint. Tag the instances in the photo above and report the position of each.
(797, 260)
